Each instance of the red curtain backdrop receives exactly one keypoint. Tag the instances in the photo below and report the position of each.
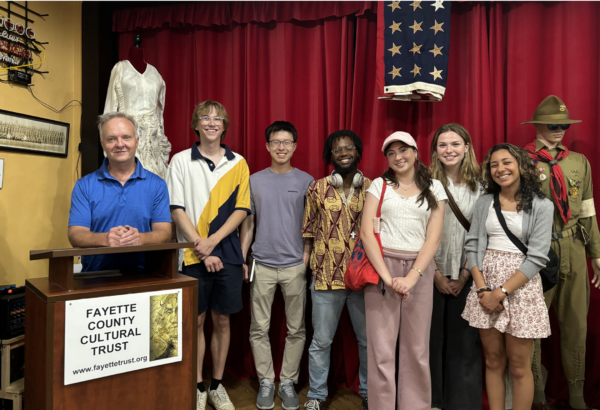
(314, 64)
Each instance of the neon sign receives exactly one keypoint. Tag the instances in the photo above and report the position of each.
(16, 49)
(17, 28)
(18, 44)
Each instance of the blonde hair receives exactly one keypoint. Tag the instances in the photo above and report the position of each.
(204, 108)
(104, 118)
(469, 169)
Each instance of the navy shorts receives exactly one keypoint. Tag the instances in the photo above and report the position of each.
(220, 291)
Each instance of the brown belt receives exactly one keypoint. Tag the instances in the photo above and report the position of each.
(564, 234)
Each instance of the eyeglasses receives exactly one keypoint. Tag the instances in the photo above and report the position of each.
(277, 143)
(339, 150)
(206, 118)
(554, 127)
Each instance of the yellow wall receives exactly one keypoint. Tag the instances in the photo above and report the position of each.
(36, 194)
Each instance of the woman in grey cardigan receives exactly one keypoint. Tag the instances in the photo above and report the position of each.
(506, 301)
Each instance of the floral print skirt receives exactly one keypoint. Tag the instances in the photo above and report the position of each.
(525, 314)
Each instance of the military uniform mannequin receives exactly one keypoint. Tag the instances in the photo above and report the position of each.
(566, 181)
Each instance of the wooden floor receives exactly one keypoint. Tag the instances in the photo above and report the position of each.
(243, 394)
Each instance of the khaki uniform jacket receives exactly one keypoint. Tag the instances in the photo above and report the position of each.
(578, 179)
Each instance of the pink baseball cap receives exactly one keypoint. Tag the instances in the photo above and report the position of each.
(401, 136)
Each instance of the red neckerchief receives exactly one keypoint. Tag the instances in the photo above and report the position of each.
(557, 181)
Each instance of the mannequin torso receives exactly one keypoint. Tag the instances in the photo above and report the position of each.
(137, 60)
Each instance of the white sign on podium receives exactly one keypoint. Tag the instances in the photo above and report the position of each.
(118, 334)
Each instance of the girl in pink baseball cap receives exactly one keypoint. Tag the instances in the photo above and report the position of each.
(412, 218)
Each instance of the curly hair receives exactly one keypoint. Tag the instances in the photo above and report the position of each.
(328, 146)
(469, 169)
(531, 185)
(422, 180)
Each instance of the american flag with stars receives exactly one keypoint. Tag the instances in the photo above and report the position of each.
(412, 49)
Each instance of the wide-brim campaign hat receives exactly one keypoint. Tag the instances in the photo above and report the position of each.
(401, 136)
(551, 111)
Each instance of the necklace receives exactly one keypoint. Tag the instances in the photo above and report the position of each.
(406, 189)
(343, 195)
(507, 202)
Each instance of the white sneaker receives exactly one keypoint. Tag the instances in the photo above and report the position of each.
(201, 398)
(219, 399)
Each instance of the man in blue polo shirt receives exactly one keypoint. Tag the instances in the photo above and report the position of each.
(121, 204)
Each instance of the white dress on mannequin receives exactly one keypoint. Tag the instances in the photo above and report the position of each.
(142, 95)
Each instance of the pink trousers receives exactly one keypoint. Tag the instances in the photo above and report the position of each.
(389, 318)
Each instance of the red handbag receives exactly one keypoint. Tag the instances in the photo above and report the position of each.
(360, 272)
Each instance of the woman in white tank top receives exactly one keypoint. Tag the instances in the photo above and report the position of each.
(412, 217)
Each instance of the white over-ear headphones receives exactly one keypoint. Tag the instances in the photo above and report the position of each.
(336, 179)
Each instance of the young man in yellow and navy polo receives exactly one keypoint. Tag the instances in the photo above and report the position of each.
(120, 204)
(210, 197)
(567, 181)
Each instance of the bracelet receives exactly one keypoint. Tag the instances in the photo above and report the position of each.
(418, 270)
(504, 290)
(464, 277)
(437, 270)
(484, 289)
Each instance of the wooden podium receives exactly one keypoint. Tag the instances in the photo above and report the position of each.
(170, 386)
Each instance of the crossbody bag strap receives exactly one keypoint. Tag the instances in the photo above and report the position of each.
(457, 212)
(377, 219)
(516, 241)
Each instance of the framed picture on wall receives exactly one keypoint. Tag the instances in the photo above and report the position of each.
(20, 132)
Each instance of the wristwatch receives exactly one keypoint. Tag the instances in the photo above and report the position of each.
(504, 290)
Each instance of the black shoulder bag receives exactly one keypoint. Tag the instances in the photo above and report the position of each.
(549, 274)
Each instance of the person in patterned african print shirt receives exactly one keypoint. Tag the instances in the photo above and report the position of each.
(332, 222)
(334, 227)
